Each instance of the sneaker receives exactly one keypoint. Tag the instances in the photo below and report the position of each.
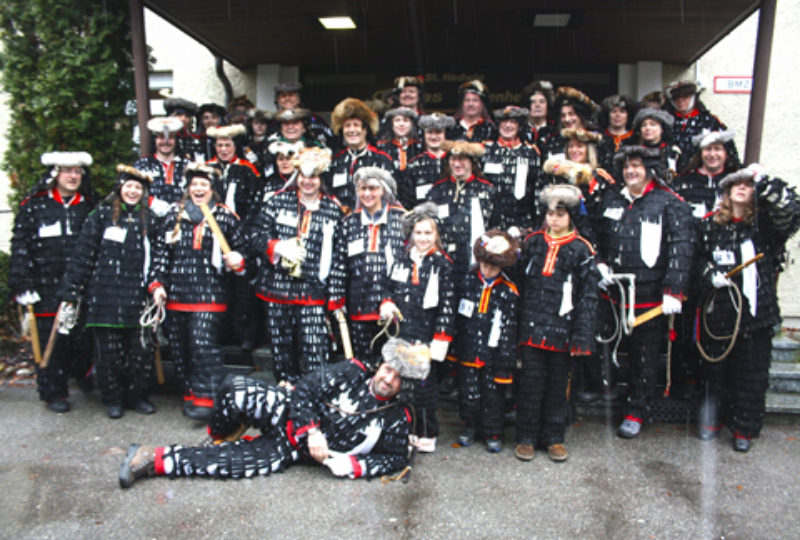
(630, 427)
(557, 452)
(494, 446)
(114, 410)
(59, 405)
(524, 452)
(139, 462)
(467, 436)
(426, 445)
(143, 406)
(741, 443)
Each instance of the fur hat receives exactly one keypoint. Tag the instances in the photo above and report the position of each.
(426, 210)
(194, 170)
(176, 105)
(67, 159)
(126, 172)
(583, 135)
(259, 115)
(583, 104)
(408, 80)
(410, 361)
(619, 100)
(511, 112)
(540, 87)
(497, 248)
(463, 148)
(656, 96)
(752, 173)
(353, 108)
(285, 148)
(576, 173)
(240, 101)
(292, 86)
(411, 114)
(711, 137)
(289, 115)
(476, 87)
(560, 195)
(662, 117)
(436, 120)
(312, 161)
(219, 110)
(682, 88)
(226, 132)
(164, 125)
(376, 173)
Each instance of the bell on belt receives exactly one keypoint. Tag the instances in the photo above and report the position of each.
(293, 267)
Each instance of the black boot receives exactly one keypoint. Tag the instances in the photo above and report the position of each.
(139, 462)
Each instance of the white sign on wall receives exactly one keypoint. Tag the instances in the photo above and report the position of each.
(726, 84)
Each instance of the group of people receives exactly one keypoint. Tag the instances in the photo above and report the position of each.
(501, 252)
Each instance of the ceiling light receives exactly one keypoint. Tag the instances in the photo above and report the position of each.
(337, 23)
(551, 20)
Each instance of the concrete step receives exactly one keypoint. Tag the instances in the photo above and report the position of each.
(785, 349)
(784, 377)
(780, 403)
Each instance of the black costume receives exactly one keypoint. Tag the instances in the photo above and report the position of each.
(187, 262)
(465, 209)
(689, 125)
(482, 130)
(365, 250)
(168, 182)
(559, 305)
(737, 385)
(107, 270)
(296, 306)
(339, 402)
(515, 171)
(45, 231)
(486, 348)
(338, 179)
(699, 190)
(423, 289)
(423, 170)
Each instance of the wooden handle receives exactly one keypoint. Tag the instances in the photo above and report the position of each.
(51, 342)
(214, 226)
(159, 366)
(744, 265)
(346, 343)
(37, 347)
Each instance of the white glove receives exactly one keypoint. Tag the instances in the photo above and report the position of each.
(318, 445)
(439, 349)
(514, 231)
(388, 310)
(719, 281)
(339, 464)
(670, 305)
(27, 298)
(67, 318)
(159, 207)
(159, 296)
(290, 250)
(234, 261)
(605, 275)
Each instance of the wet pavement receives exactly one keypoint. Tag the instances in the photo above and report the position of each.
(59, 480)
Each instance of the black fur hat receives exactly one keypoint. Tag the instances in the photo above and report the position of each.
(619, 100)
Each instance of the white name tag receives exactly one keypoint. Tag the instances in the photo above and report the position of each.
(493, 168)
(115, 234)
(400, 274)
(251, 156)
(451, 248)
(49, 231)
(466, 307)
(725, 257)
(422, 191)
(355, 247)
(269, 170)
(285, 218)
(614, 213)
(339, 179)
(699, 210)
(444, 211)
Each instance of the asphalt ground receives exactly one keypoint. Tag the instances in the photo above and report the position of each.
(58, 479)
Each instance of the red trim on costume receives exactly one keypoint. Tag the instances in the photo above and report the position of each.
(159, 461)
(503, 380)
(636, 306)
(477, 363)
(187, 306)
(357, 472)
(290, 434)
(541, 345)
(44, 314)
(208, 403)
(197, 235)
(691, 114)
(408, 415)
(358, 363)
(502, 143)
(553, 247)
(441, 336)
(374, 235)
(153, 286)
(365, 317)
(271, 249)
(303, 429)
(634, 418)
(304, 301)
(333, 305)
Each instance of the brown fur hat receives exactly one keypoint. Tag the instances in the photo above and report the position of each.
(353, 108)
(575, 173)
(583, 135)
(126, 172)
(408, 80)
(682, 88)
(476, 86)
(511, 112)
(226, 132)
(463, 148)
(287, 115)
(540, 87)
(567, 95)
(497, 248)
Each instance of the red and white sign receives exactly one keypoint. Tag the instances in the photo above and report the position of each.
(728, 84)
